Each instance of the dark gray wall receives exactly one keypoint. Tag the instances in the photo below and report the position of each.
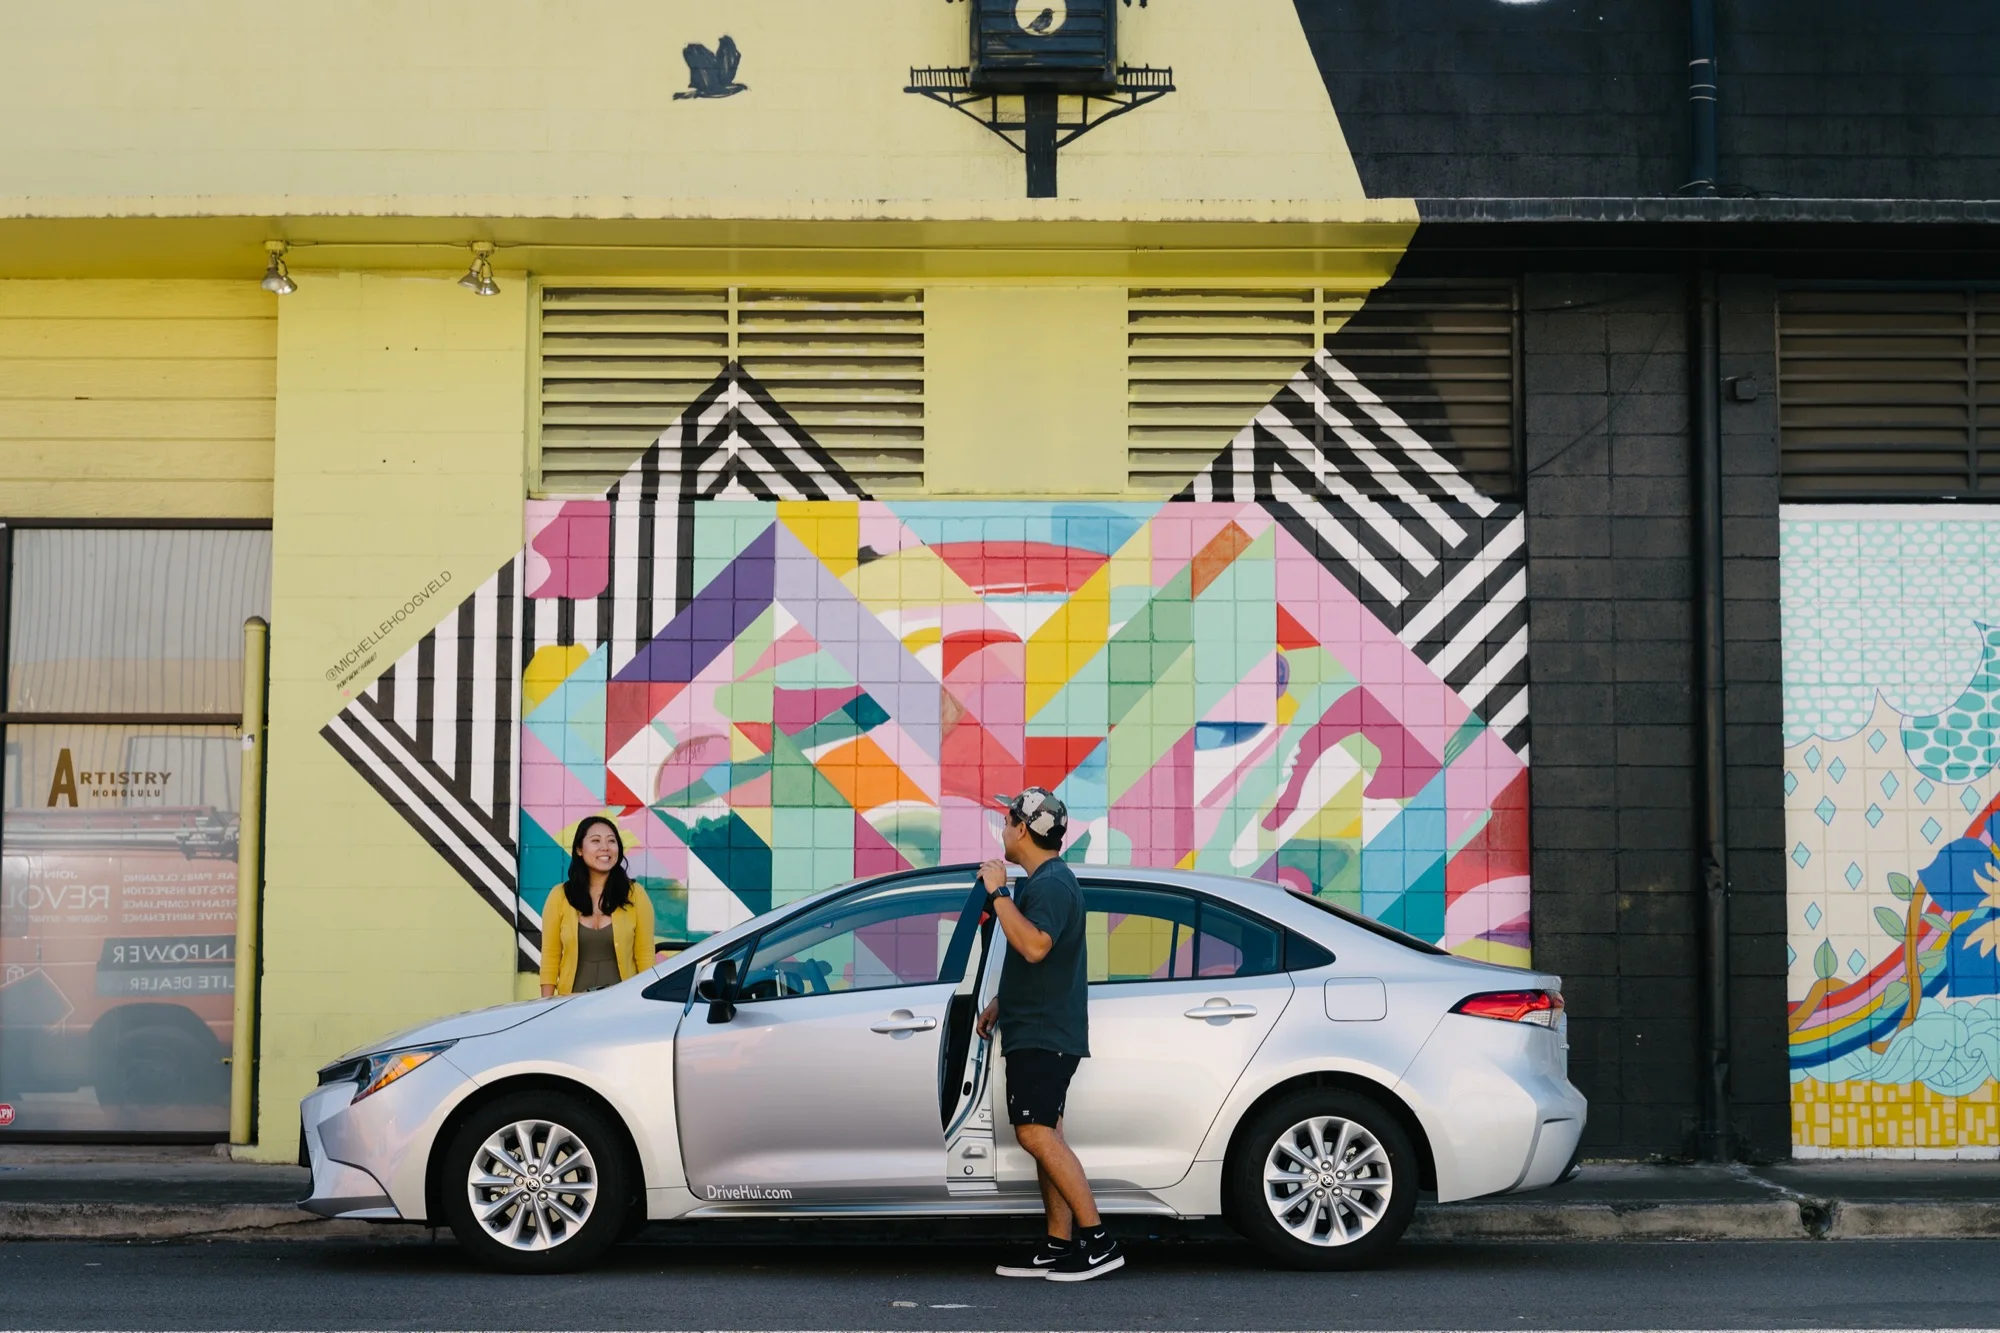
(1569, 98)
(1613, 703)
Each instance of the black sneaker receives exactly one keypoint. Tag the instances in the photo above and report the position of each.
(1095, 1257)
(1039, 1263)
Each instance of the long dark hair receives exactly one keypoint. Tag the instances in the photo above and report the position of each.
(617, 884)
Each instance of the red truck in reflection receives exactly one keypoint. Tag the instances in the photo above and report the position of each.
(117, 964)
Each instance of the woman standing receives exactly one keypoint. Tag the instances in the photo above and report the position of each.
(597, 929)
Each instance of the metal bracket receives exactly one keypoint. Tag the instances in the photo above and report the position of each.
(1041, 128)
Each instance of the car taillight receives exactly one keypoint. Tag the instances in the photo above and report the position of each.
(1539, 1007)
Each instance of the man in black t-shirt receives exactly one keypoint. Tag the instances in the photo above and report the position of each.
(1043, 1012)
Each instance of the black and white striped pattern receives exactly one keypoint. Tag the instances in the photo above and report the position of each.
(734, 442)
(435, 735)
(1442, 565)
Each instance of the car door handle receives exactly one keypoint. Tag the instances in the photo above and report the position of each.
(903, 1021)
(1223, 1009)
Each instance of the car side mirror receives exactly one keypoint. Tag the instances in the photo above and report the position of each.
(720, 989)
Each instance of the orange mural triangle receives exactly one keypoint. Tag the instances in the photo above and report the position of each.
(1291, 634)
(1212, 559)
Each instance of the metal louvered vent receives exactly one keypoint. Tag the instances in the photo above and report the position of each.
(1200, 363)
(619, 364)
(1888, 395)
(1442, 358)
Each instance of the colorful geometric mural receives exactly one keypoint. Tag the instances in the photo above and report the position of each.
(774, 683)
(1891, 624)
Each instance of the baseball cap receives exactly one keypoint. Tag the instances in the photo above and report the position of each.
(1040, 809)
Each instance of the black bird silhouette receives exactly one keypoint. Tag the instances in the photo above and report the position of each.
(712, 73)
(1042, 21)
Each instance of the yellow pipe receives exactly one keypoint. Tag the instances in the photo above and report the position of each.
(249, 882)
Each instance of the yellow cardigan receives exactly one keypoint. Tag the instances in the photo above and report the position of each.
(631, 931)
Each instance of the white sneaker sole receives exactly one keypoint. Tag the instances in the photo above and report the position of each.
(1110, 1265)
(1008, 1270)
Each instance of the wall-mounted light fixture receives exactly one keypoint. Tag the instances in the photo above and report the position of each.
(479, 278)
(276, 280)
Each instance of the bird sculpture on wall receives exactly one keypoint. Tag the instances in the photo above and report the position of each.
(712, 73)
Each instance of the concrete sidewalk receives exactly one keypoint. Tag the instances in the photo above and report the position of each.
(75, 1192)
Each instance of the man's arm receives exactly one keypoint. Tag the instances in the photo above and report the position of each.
(1029, 940)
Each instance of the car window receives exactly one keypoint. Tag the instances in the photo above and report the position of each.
(1133, 934)
(1138, 934)
(894, 935)
(1230, 944)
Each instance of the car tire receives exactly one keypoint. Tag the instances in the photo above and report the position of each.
(567, 1206)
(1347, 1206)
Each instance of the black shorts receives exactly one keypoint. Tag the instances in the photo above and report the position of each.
(1038, 1086)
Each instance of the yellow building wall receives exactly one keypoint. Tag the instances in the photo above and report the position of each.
(513, 108)
(1024, 390)
(136, 399)
(399, 457)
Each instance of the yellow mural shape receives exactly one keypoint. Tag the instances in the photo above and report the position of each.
(1854, 1116)
(831, 530)
(546, 672)
(1068, 640)
(916, 577)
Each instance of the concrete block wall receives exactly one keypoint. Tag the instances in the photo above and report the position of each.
(1819, 99)
(1613, 664)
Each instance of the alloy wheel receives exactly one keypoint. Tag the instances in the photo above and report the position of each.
(533, 1185)
(1327, 1180)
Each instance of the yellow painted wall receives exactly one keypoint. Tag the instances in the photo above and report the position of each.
(136, 399)
(1024, 390)
(534, 108)
(399, 455)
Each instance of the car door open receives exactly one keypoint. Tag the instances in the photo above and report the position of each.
(1183, 992)
(822, 1085)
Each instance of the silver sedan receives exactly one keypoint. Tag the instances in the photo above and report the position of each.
(1298, 1069)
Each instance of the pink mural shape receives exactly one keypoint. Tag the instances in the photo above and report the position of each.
(569, 549)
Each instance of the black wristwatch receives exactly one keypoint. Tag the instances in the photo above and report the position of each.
(1004, 891)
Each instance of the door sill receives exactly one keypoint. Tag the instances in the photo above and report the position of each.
(1123, 1202)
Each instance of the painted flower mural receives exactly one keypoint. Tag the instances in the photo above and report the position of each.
(1893, 817)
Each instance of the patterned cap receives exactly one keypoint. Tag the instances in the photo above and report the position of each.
(1041, 810)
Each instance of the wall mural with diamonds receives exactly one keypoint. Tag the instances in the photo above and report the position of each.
(1891, 628)
(1309, 667)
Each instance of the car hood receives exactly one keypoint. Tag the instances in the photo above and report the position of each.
(477, 1023)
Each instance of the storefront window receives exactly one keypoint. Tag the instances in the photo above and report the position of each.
(120, 823)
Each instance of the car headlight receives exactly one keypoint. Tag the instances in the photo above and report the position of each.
(371, 1073)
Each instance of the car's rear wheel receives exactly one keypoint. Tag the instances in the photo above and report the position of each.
(1323, 1179)
(537, 1182)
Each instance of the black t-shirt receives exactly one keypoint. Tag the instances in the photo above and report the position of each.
(1045, 1006)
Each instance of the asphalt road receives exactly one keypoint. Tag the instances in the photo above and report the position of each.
(670, 1285)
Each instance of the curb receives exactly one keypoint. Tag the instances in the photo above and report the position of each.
(1776, 1219)
(138, 1221)
(1762, 1220)
(1914, 1220)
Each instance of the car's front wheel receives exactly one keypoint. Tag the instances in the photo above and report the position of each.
(1323, 1179)
(536, 1182)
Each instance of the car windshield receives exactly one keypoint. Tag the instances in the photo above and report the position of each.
(1371, 925)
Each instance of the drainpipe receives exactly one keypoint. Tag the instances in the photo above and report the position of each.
(1712, 1140)
(1701, 98)
(249, 884)
(1705, 372)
